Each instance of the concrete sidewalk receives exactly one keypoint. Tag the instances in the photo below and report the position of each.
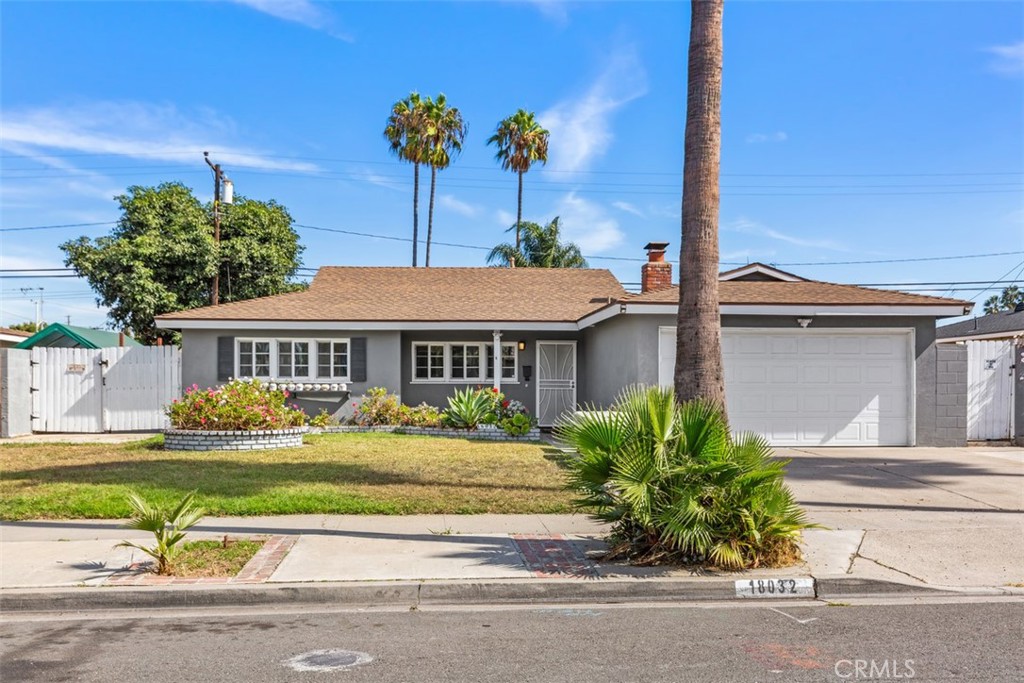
(925, 518)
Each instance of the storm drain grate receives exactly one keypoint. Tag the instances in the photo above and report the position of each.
(328, 660)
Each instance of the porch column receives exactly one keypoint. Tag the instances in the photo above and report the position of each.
(496, 353)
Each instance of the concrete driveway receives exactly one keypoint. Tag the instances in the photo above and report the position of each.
(938, 516)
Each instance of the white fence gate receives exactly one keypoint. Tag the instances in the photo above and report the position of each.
(103, 390)
(989, 390)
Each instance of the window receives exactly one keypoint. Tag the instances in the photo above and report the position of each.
(465, 361)
(292, 358)
(457, 362)
(509, 361)
(254, 358)
(428, 362)
(332, 359)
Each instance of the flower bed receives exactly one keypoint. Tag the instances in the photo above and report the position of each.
(480, 434)
(232, 440)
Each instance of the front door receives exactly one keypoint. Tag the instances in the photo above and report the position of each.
(556, 380)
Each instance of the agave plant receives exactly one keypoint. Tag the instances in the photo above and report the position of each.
(676, 486)
(467, 409)
(168, 528)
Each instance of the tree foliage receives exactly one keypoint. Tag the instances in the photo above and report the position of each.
(444, 133)
(540, 247)
(521, 142)
(30, 327)
(1007, 300)
(404, 132)
(161, 256)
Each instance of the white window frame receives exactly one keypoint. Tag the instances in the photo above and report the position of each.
(514, 379)
(310, 358)
(314, 365)
(447, 366)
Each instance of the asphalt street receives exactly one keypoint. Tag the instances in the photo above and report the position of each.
(963, 641)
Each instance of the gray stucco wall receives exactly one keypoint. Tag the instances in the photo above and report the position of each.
(624, 350)
(436, 394)
(15, 394)
(199, 363)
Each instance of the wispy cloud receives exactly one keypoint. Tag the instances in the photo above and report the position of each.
(629, 208)
(588, 224)
(552, 10)
(458, 206)
(580, 126)
(133, 129)
(505, 218)
(749, 227)
(305, 12)
(1009, 59)
(777, 136)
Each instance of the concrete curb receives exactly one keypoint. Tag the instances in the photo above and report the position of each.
(415, 593)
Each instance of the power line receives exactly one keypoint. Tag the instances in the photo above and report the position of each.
(1019, 265)
(56, 227)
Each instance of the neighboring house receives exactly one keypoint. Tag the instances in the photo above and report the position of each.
(70, 336)
(995, 397)
(9, 337)
(807, 363)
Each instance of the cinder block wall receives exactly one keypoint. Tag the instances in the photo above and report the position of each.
(15, 396)
(950, 395)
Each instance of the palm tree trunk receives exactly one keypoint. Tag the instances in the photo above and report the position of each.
(415, 210)
(430, 212)
(519, 215)
(698, 371)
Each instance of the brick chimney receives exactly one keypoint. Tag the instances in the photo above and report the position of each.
(657, 272)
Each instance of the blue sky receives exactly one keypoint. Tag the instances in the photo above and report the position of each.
(851, 131)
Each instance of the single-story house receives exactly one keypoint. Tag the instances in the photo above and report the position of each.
(71, 336)
(807, 362)
(9, 337)
(995, 393)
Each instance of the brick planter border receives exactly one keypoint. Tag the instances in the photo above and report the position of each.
(478, 434)
(257, 570)
(196, 440)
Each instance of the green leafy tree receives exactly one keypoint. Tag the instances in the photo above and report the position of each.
(444, 134)
(161, 256)
(521, 142)
(30, 327)
(1008, 300)
(699, 370)
(540, 247)
(405, 135)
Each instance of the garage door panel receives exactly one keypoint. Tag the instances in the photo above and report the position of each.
(784, 346)
(814, 346)
(848, 346)
(847, 374)
(815, 374)
(784, 374)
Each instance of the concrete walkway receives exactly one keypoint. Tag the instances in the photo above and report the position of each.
(927, 517)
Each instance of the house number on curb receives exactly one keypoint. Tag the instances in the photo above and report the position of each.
(775, 588)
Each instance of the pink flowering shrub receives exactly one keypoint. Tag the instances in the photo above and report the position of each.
(378, 407)
(238, 405)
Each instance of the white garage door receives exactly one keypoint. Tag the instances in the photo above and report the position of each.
(814, 388)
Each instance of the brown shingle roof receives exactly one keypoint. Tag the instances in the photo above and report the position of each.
(430, 295)
(16, 333)
(800, 293)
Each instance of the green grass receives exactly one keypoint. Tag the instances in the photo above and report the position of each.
(212, 558)
(387, 474)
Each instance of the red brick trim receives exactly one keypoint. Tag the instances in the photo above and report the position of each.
(553, 556)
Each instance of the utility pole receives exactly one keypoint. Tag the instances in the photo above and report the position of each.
(223, 191)
(38, 302)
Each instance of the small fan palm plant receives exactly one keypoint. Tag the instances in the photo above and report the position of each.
(168, 528)
(678, 487)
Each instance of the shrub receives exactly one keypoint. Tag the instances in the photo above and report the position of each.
(470, 408)
(238, 405)
(379, 407)
(168, 528)
(322, 419)
(676, 486)
(517, 425)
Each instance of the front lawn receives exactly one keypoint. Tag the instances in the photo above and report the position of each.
(372, 473)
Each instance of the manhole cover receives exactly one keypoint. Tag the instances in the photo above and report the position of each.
(328, 660)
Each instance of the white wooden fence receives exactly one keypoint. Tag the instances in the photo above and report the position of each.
(103, 390)
(989, 390)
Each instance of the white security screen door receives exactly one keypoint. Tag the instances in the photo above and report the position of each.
(556, 380)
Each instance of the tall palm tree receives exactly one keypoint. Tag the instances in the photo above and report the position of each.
(698, 371)
(521, 141)
(404, 133)
(444, 134)
(541, 247)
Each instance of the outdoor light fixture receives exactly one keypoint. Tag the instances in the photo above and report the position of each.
(804, 322)
(522, 346)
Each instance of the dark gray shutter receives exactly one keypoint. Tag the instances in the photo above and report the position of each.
(358, 354)
(225, 358)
